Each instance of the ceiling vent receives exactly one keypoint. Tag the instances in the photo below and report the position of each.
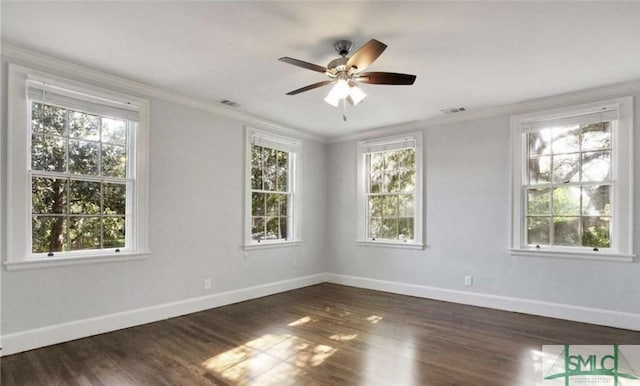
(229, 103)
(453, 110)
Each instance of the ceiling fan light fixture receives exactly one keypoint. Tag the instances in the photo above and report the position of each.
(356, 95)
(339, 91)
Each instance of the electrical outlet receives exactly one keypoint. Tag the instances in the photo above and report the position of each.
(207, 284)
(468, 280)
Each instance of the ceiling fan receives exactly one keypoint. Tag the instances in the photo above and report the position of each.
(346, 72)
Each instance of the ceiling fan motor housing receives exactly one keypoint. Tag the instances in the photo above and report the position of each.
(343, 47)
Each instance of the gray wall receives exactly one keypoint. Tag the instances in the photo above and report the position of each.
(196, 230)
(467, 191)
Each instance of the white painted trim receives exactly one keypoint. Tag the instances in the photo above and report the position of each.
(267, 245)
(387, 244)
(50, 262)
(586, 255)
(526, 306)
(111, 81)
(40, 337)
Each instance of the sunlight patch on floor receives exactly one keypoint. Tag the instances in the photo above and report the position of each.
(300, 321)
(374, 319)
(343, 337)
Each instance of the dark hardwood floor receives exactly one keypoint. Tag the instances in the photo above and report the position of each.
(320, 335)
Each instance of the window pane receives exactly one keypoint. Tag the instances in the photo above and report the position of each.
(84, 233)
(596, 200)
(376, 162)
(55, 120)
(539, 142)
(375, 227)
(284, 205)
(83, 157)
(48, 195)
(566, 139)
(38, 153)
(37, 119)
(84, 197)
(114, 160)
(390, 160)
(389, 206)
(256, 167)
(273, 204)
(48, 234)
(375, 183)
(257, 204)
(407, 181)
(596, 166)
(539, 201)
(389, 228)
(538, 230)
(270, 167)
(114, 130)
(113, 232)
(406, 158)
(115, 198)
(566, 231)
(405, 228)
(55, 154)
(283, 171)
(273, 228)
(566, 201)
(596, 232)
(375, 206)
(540, 170)
(596, 136)
(405, 205)
(566, 167)
(257, 228)
(83, 126)
(390, 183)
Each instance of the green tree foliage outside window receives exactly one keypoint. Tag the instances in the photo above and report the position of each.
(271, 207)
(570, 187)
(391, 194)
(78, 180)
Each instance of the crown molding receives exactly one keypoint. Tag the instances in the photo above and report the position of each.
(112, 81)
(571, 98)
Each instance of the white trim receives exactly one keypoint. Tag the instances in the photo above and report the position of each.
(18, 229)
(599, 256)
(294, 148)
(412, 139)
(111, 81)
(50, 262)
(622, 176)
(267, 245)
(45, 336)
(389, 244)
(597, 316)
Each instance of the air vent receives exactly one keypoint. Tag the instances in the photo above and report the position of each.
(453, 110)
(229, 103)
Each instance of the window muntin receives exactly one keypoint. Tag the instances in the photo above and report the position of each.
(570, 185)
(391, 183)
(271, 211)
(78, 178)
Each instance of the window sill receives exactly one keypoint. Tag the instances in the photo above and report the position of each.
(389, 244)
(51, 262)
(274, 244)
(601, 256)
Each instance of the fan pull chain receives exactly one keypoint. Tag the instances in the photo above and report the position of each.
(344, 109)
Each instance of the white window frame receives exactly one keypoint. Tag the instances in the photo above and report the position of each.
(294, 147)
(622, 179)
(19, 212)
(391, 142)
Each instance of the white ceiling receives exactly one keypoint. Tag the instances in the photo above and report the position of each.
(472, 54)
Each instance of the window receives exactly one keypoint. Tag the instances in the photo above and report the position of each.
(573, 181)
(77, 171)
(390, 191)
(271, 199)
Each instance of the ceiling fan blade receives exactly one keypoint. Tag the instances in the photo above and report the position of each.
(303, 64)
(366, 54)
(310, 87)
(391, 78)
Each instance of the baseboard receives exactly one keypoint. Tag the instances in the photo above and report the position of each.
(601, 317)
(40, 337)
